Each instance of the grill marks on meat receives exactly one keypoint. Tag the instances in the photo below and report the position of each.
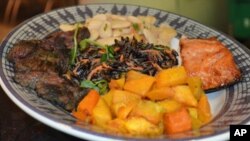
(210, 60)
(39, 64)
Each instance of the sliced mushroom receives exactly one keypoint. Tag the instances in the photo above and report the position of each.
(116, 24)
(94, 34)
(106, 27)
(105, 30)
(134, 19)
(125, 30)
(94, 24)
(149, 36)
(117, 32)
(165, 35)
(148, 21)
(107, 41)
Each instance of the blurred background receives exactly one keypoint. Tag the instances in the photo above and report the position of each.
(228, 16)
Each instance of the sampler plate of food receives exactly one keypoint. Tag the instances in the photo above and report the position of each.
(126, 72)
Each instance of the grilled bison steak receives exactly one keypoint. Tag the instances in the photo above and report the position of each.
(39, 65)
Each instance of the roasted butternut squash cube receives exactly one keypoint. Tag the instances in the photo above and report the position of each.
(196, 122)
(204, 111)
(133, 75)
(140, 126)
(184, 95)
(108, 97)
(116, 126)
(195, 85)
(86, 106)
(160, 93)
(117, 84)
(170, 105)
(193, 112)
(177, 121)
(123, 102)
(139, 84)
(150, 110)
(101, 113)
(171, 77)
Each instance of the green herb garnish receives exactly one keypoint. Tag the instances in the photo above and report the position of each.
(105, 27)
(109, 50)
(136, 27)
(84, 44)
(108, 55)
(89, 84)
(101, 85)
(73, 52)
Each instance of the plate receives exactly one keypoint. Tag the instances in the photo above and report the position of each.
(229, 106)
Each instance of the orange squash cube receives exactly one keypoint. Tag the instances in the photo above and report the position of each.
(171, 77)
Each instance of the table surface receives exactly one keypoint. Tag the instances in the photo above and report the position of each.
(16, 125)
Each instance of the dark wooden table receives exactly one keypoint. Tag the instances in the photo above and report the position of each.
(16, 125)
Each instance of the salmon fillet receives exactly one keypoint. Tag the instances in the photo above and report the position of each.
(210, 60)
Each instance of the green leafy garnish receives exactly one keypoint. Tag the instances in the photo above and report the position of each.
(89, 84)
(84, 44)
(73, 52)
(136, 27)
(101, 85)
(109, 50)
(108, 55)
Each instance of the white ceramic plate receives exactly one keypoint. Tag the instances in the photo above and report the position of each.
(229, 105)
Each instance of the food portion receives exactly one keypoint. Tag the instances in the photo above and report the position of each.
(106, 28)
(142, 105)
(40, 64)
(65, 65)
(210, 60)
(120, 73)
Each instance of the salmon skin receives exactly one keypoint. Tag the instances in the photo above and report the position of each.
(210, 60)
